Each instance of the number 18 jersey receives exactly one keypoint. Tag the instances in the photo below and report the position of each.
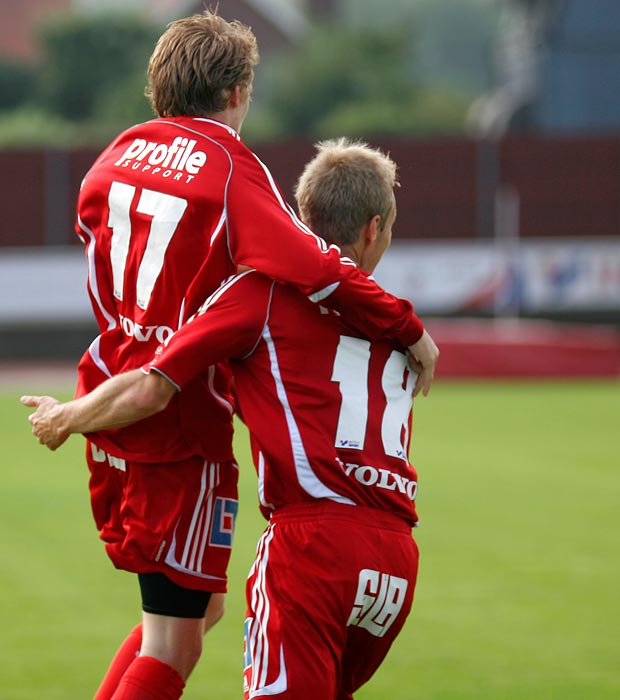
(329, 412)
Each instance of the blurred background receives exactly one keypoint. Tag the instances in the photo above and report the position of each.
(504, 119)
(503, 116)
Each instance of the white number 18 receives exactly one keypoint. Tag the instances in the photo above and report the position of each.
(351, 372)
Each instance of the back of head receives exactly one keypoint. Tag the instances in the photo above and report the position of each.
(196, 64)
(343, 187)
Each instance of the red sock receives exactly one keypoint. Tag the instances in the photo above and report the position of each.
(126, 655)
(149, 679)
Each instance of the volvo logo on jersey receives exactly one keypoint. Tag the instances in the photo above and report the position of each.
(177, 160)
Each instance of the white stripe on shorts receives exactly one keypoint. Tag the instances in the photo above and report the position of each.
(258, 637)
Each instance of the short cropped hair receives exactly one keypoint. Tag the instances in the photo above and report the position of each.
(343, 187)
(197, 63)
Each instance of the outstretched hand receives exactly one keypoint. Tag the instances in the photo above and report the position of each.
(46, 420)
(423, 358)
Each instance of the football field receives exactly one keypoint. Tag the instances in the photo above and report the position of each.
(518, 596)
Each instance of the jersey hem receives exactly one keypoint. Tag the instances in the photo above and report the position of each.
(364, 515)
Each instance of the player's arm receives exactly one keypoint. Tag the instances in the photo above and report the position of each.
(264, 233)
(227, 325)
(117, 402)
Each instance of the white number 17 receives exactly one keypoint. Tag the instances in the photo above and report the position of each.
(166, 211)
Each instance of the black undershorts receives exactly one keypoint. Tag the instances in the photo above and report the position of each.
(161, 596)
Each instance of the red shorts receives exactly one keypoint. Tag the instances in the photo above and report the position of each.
(329, 591)
(176, 518)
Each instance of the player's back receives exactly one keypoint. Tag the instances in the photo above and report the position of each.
(329, 412)
(147, 212)
(150, 211)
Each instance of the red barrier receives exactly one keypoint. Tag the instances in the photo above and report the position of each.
(513, 349)
(565, 187)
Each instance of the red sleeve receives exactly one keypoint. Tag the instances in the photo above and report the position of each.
(228, 325)
(265, 233)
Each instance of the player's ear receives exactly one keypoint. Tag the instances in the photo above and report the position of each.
(236, 96)
(373, 229)
(369, 237)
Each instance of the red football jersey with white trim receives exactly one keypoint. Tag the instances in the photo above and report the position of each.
(167, 212)
(329, 412)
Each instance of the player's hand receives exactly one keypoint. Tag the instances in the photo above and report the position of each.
(423, 358)
(45, 421)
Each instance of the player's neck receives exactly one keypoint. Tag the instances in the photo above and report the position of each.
(226, 118)
(351, 252)
(236, 110)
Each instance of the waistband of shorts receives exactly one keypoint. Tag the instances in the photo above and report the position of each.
(363, 515)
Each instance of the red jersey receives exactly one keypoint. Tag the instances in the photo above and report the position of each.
(329, 412)
(167, 212)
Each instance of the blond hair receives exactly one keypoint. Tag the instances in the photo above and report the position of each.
(343, 187)
(196, 64)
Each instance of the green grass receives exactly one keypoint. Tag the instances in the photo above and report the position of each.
(518, 595)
